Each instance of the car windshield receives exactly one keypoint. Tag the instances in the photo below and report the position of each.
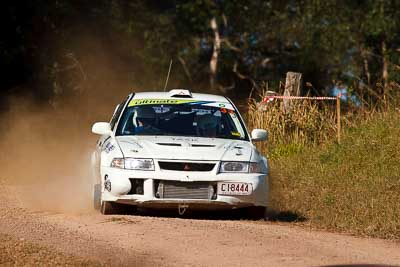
(181, 118)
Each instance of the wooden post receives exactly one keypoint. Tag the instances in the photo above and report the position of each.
(292, 88)
(338, 118)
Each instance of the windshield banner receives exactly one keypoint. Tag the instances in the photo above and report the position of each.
(140, 102)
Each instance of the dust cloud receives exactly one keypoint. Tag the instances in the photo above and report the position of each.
(46, 157)
(45, 148)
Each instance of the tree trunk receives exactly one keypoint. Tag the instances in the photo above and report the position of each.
(366, 66)
(214, 57)
(292, 88)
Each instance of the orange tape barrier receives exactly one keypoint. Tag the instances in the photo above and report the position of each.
(267, 99)
(272, 97)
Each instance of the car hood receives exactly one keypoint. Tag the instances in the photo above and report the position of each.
(185, 148)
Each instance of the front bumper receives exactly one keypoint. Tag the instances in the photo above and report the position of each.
(116, 184)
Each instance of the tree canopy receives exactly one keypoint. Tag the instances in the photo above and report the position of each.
(355, 43)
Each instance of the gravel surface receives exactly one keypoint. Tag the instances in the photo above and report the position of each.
(19, 252)
(30, 237)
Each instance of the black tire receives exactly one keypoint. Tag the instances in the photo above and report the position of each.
(129, 209)
(97, 196)
(109, 208)
(257, 213)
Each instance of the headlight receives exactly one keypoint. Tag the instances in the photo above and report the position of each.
(255, 167)
(133, 164)
(118, 163)
(240, 167)
(234, 166)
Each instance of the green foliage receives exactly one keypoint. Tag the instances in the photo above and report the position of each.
(260, 40)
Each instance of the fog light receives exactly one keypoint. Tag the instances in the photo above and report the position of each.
(136, 187)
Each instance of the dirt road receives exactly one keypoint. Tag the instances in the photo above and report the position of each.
(29, 237)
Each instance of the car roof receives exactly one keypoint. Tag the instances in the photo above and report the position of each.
(166, 95)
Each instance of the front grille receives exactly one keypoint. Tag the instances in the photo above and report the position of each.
(185, 190)
(186, 166)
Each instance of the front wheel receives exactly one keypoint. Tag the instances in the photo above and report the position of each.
(108, 208)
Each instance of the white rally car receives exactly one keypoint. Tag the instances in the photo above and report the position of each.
(179, 150)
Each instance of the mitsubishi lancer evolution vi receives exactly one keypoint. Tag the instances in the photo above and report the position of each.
(181, 150)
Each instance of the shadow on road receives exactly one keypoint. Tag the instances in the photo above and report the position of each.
(236, 214)
(286, 216)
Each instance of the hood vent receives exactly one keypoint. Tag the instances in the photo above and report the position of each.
(202, 145)
(177, 144)
(169, 144)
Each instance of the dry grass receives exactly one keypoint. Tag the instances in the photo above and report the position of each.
(351, 187)
(308, 124)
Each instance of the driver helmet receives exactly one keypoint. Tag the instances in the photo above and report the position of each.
(207, 123)
(145, 114)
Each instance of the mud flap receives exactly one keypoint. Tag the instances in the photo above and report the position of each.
(97, 196)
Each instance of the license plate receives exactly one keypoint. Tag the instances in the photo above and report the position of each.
(235, 189)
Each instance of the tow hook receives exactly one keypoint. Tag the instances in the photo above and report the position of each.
(182, 208)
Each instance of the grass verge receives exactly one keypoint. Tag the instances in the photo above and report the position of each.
(353, 187)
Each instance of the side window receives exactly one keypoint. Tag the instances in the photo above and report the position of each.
(116, 115)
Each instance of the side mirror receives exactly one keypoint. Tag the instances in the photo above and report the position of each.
(259, 135)
(102, 128)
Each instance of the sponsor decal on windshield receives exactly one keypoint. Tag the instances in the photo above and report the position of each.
(141, 102)
(235, 133)
(223, 107)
